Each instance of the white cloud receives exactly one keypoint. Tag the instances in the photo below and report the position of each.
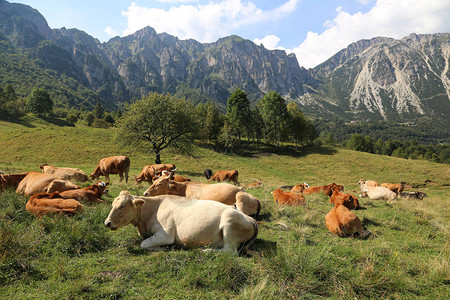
(389, 18)
(363, 1)
(269, 41)
(205, 23)
(177, 1)
(111, 32)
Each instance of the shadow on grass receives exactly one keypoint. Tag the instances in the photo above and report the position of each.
(16, 120)
(367, 221)
(264, 246)
(22, 121)
(57, 122)
(259, 149)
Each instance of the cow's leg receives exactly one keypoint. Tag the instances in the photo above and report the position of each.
(160, 238)
(120, 177)
(107, 177)
(126, 175)
(230, 240)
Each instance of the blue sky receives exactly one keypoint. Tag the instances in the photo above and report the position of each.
(312, 29)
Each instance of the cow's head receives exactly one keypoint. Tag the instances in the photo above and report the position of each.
(331, 188)
(42, 166)
(161, 186)
(102, 187)
(125, 210)
(96, 174)
(138, 180)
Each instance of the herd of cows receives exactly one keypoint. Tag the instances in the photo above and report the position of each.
(169, 212)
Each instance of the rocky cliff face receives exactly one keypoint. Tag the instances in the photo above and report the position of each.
(388, 78)
(377, 78)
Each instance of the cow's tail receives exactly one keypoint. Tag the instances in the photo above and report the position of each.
(258, 209)
(243, 248)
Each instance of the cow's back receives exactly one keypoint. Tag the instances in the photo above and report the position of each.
(378, 192)
(66, 173)
(341, 221)
(114, 164)
(36, 182)
(221, 192)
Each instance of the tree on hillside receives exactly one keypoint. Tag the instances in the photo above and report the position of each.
(39, 102)
(10, 93)
(98, 111)
(274, 112)
(159, 120)
(211, 121)
(239, 113)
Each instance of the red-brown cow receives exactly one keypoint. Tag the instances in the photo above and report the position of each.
(326, 189)
(288, 198)
(299, 188)
(174, 177)
(44, 203)
(341, 221)
(397, 188)
(92, 194)
(151, 172)
(346, 199)
(112, 165)
(11, 180)
(255, 185)
(223, 175)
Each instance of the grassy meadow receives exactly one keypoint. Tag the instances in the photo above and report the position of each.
(78, 258)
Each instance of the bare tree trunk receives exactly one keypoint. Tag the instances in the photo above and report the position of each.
(158, 158)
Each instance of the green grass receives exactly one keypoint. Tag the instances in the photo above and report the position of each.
(78, 258)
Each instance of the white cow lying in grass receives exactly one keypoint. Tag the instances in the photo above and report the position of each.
(173, 220)
(376, 192)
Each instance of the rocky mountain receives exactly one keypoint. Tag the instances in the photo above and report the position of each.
(386, 78)
(378, 78)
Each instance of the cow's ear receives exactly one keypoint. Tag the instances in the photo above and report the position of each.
(107, 183)
(138, 202)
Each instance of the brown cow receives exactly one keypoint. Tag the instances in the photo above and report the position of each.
(288, 198)
(112, 165)
(151, 172)
(341, 221)
(220, 192)
(11, 180)
(326, 189)
(92, 194)
(35, 182)
(43, 203)
(346, 199)
(223, 175)
(255, 185)
(395, 187)
(73, 174)
(174, 177)
(299, 188)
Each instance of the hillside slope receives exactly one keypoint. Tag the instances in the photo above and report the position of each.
(294, 255)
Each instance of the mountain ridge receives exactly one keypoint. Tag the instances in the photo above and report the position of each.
(378, 78)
